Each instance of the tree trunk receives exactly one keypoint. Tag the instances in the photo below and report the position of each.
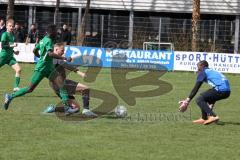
(195, 24)
(56, 13)
(81, 35)
(10, 9)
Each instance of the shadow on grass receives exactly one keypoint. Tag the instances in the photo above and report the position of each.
(228, 123)
(80, 117)
(110, 115)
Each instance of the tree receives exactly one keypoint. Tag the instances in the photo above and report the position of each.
(195, 24)
(81, 34)
(56, 13)
(10, 9)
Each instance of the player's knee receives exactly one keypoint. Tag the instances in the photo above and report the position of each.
(30, 89)
(199, 100)
(18, 70)
(86, 91)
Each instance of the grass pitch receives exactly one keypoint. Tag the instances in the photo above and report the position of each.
(153, 129)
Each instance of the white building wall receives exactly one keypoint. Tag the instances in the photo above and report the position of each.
(229, 7)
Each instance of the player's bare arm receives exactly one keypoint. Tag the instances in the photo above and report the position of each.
(56, 56)
(73, 68)
(6, 44)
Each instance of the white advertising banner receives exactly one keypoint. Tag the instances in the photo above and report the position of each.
(25, 52)
(222, 62)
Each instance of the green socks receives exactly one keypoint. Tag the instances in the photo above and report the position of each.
(20, 92)
(64, 96)
(17, 81)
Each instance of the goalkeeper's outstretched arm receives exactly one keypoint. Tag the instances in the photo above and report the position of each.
(195, 89)
(184, 103)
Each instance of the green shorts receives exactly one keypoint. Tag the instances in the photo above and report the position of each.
(8, 60)
(37, 76)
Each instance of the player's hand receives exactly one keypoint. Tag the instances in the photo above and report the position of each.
(83, 75)
(183, 105)
(16, 52)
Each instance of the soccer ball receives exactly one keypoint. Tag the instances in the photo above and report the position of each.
(120, 111)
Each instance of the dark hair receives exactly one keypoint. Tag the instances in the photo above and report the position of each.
(51, 28)
(203, 63)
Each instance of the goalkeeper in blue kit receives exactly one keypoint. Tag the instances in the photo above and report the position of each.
(206, 100)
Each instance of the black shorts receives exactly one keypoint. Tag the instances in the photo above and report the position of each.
(70, 86)
(211, 95)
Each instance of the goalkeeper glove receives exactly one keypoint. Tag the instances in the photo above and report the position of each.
(183, 105)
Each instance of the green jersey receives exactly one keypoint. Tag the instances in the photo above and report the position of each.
(45, 63)
(7, 39)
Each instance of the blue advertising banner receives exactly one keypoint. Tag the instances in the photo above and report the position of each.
(123, 58)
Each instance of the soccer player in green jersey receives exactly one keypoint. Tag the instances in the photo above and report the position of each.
(6, 54)
(59, 79)
(44, 68)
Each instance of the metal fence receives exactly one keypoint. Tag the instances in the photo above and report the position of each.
(214, 35)
(108, 30)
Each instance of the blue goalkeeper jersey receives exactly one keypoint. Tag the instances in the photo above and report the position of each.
(215, 79)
